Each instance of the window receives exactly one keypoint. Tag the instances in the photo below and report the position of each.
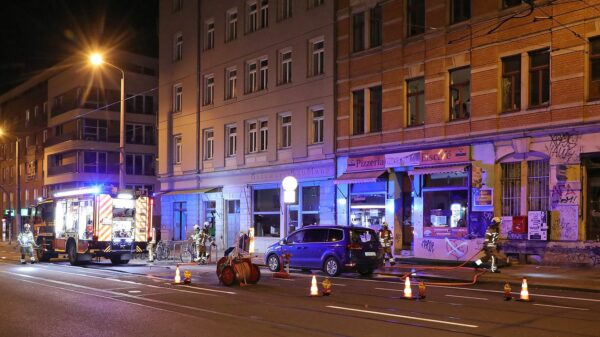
(209, 144)
(416, 17)
(140, 104)
(511, 83)
(209, 89)
(594, 68)
(252, 137)
(177, 5)
(358, 32)
(178, 47)
(264, 74)
(285, 122)
(375, 26)
(139, 164)
(177, 153)
(445, 200)
(149, 105)
(94, 162)
(27, 116)
(266, 212)
(231, 25)
(317, 60)
(139, 134)
(539, 78)
(285, 9)
(375, 109)
(231, 82)
(36, 112)
(460, 93)
(251, 77)
(285, 67)
(510, 3)
(264, 135)
(318, 119)
(460, 10)
(252, 19)
(416, 101)
(231, 132)
(538, 182)
(358, 111)
(511, 189)
(310, 205)
(210, 34)
(315, 3)
(95, 130)
(177, 98)
(264, 13)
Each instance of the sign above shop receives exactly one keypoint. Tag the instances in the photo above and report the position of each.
(403, 159)
(367, 163)
(445, 155)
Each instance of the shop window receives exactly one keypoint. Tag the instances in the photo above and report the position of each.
(367, 204)
(445, 204)
(415, 10)
(511, 83)
(594, 75)
(266, 212)
(539, 78)
(460, 10)
(416, 101)
(310, 205)
(511, 189)
(460, 93)
(538, 185)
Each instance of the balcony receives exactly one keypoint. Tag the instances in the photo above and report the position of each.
(56, 170)
(61, 139)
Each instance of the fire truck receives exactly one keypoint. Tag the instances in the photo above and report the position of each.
(91, 222)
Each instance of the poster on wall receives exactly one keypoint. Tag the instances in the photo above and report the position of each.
(483, 197)
(478, 223)
(537, 225)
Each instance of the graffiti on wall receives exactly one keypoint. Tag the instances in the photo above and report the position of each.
(586, 255)
(565, 223)
(457, 248)
(565, 193)
(428, 245)
(563, 147)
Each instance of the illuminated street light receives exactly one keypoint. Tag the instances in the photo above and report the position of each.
(96, 59)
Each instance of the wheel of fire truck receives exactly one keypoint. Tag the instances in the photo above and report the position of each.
(72, 254)
(42, 255)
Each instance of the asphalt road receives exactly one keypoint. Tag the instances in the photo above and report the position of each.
(55, 299)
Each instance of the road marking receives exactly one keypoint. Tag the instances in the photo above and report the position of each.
(560, 306)
(207, 289)
(134, 291)
(403, 316)
(502, 292)
(469, 297)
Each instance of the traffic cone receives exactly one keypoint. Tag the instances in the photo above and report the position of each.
(507, 293)
(187, 277)
(177, 276)
(326, 287)
(422, 290)
(524, 291)
(407, 288)
(314, 291)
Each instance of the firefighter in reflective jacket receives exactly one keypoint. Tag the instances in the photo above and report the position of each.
(27, 243)
(385, 238)
(490, 246)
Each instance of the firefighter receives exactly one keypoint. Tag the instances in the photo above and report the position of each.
(197, 238)
(27, 243)
(490, 246)
(385, 237)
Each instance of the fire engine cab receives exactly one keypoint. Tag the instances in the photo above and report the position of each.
(91, 222)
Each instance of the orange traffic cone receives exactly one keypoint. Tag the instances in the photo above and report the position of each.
(507, 292)
(314, 291)
(524, 291)
(407, 288)
(326, 287)
(422, 290)
(177, 276)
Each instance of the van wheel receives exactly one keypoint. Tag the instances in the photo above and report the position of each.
(273, 262)
(72, 253)
(331, 267)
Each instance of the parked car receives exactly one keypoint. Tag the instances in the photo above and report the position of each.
(334, 249)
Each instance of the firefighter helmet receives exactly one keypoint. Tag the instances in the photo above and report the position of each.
(26, 227)
(196, 227)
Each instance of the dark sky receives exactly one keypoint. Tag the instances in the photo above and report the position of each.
(35, 34)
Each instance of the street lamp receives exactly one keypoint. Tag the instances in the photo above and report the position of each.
(289, 184)
(18, 192)
(97, 60)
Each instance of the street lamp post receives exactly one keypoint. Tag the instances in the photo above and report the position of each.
(96, 59)
(18, 190)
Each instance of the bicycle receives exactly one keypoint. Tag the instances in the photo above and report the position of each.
(163, 251)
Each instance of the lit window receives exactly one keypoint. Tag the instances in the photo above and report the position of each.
(416, 101)
(460, 93)
(511, 83)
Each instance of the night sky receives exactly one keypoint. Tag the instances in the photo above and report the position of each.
(35, 34)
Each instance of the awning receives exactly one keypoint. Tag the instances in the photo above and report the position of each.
(438, 169)
(197, 191)
(359, 177)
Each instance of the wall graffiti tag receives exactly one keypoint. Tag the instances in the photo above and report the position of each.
(428, 245)
(563, 147)
(565, 193)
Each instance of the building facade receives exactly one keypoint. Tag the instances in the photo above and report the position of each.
(249, 101)
(450, 112)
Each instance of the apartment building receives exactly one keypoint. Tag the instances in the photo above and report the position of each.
(247, 100)
(450, 112)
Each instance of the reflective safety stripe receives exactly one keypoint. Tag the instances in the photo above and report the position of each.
(105, 210)
(141, 219)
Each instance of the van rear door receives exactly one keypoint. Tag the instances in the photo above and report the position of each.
(364, 243)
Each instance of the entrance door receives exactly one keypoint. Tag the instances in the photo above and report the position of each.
(593, 205)
(179, 221)
(233, 221)
(406, 213)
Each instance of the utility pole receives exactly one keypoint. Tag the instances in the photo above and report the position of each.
(18, 196)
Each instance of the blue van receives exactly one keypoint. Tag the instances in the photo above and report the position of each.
(334, 249)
